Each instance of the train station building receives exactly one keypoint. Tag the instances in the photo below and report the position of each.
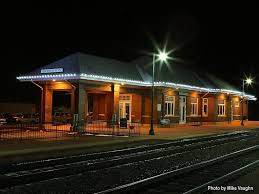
(106, 87)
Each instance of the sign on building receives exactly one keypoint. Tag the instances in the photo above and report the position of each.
(158, 107)
(52, 70)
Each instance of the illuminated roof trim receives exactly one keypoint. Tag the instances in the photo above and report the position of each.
(84, 76)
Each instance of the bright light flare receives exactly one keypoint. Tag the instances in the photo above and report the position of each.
(163, 56)
(248, 81)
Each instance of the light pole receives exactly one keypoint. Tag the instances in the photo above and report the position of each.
(162, 56)
(248, 81)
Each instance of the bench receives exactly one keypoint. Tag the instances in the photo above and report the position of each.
(165, 122)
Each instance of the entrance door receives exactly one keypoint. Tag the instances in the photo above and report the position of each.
(182, 108)
(125, 108)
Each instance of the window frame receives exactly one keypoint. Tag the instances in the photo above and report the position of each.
(170, 102)
(223, 108)
(237, 103)
(207, 103)
(193, 105)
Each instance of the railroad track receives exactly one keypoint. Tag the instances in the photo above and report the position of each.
(120, 152)
(195, 178)
(23, 173)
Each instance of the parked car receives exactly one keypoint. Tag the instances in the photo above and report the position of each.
(2, 120)
(10, 119)
(62, 117)
(28, 118)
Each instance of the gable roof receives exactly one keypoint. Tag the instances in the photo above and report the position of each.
(79, 63)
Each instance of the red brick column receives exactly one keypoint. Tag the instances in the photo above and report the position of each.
(47, 104)
(116, 99)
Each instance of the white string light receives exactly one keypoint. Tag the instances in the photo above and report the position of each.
(130, 82)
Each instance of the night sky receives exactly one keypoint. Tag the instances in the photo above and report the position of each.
(219, 38)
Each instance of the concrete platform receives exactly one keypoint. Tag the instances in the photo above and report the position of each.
(181, 131)
(35, 149)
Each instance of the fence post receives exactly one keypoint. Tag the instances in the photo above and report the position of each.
(56, 131)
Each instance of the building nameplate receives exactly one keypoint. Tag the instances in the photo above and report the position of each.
(52, 70)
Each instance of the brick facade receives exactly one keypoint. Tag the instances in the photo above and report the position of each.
(106, 103)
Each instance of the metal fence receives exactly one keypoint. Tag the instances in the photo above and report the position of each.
(108, 127)
(24, 131)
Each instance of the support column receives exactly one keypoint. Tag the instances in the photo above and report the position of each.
(116, 99)
(86, 102)
(72, 111)
(47, 109)
(80, 97)
(229, 114)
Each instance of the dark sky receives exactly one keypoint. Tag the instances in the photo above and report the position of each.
(221, 38)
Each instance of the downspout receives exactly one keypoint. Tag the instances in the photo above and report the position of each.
(41, 102)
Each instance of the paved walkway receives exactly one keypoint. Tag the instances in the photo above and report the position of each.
(181, 131)
(71, 145)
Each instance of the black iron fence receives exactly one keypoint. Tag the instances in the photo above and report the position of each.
(108, 127)
(23, 131)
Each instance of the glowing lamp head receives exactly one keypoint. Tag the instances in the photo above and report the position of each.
(53, 80)
(162, 56)
(249, 81)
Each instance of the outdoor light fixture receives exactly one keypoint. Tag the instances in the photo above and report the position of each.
(53, 80)
(162, 56)
(247, 81)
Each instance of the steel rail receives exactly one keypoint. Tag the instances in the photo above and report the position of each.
(144, 182)
(203, 188)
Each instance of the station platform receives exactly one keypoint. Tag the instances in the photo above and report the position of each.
(13, 151)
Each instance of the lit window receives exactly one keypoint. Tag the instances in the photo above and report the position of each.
(205, 106)
(124, 97)
(194, 106)
(221, 107)
(236, 103)
(169, 105)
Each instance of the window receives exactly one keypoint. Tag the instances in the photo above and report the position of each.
(236, 103)
(194, 106)
(169, 105)
(125, 97)
(205, 107)
(221, 107)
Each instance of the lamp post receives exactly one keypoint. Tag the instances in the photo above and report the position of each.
(162, 56)
(248, 81)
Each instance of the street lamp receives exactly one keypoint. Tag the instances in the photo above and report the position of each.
(248, 81)
(162, 57)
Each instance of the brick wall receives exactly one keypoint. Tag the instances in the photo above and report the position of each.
(136, 106)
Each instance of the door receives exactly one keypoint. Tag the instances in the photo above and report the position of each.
(182, 108)
(125, 108)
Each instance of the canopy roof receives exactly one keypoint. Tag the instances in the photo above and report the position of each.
(138, 72)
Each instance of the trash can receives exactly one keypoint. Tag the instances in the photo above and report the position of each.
(123, 123)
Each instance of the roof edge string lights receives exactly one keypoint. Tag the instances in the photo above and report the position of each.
(129, 81)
